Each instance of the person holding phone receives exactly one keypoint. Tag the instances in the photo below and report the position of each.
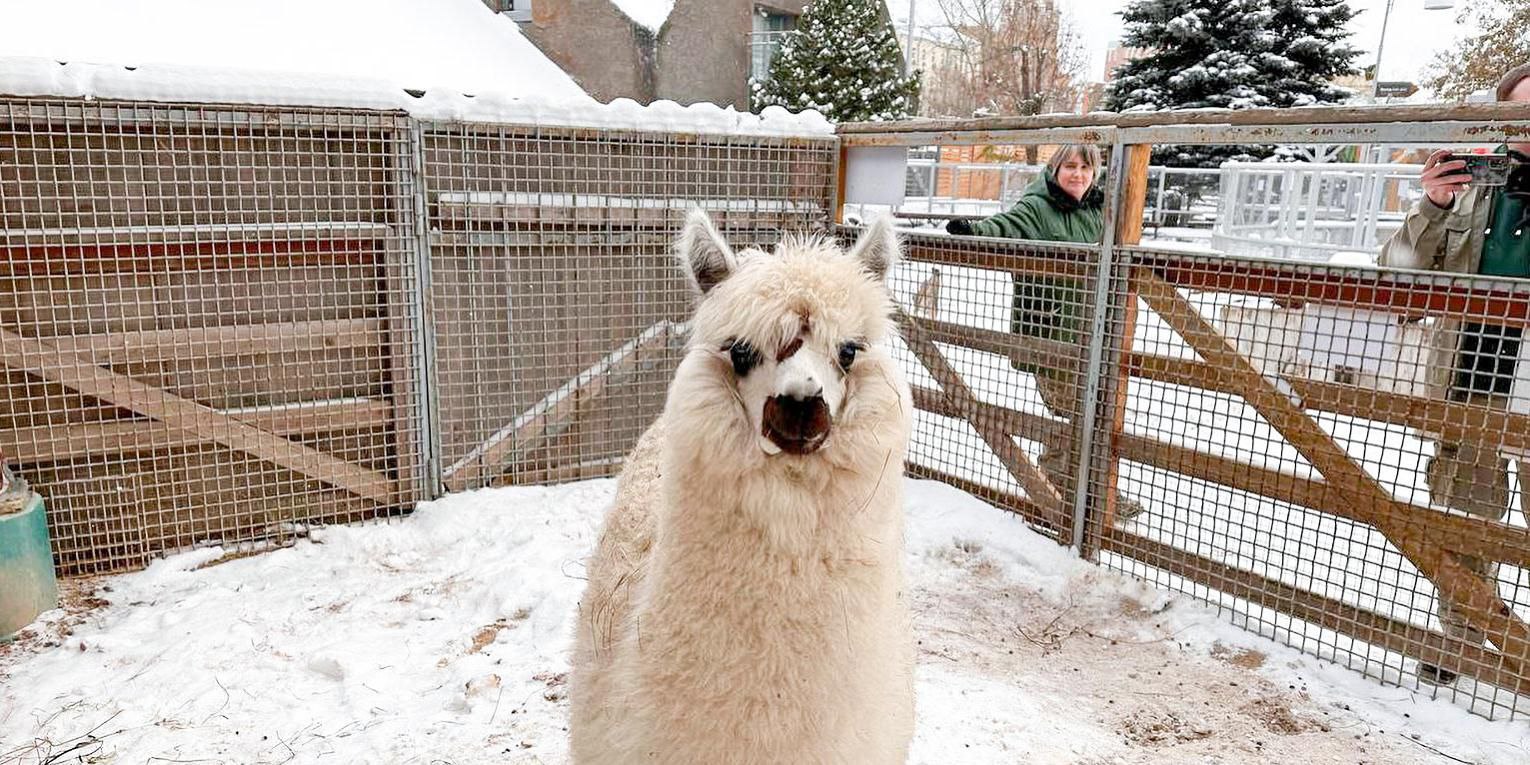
(1467, 227)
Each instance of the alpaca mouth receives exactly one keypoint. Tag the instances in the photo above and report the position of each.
(796, 426)
(794, 445)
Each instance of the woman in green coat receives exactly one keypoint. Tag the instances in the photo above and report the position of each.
(1063, 205)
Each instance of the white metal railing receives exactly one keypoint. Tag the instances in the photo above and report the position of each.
(1311, 210)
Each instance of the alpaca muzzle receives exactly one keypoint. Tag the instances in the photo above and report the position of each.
(796, 425)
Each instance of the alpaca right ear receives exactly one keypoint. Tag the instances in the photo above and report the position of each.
(704, 256)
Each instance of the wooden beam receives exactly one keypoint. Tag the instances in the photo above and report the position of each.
(1473, 596)
(1128, 232)
(61, 443)
(1375, 291)
(1038, 519)
(1466, 535)
(996, 341)
(1011, 256)
(1133, 198)
(841, 173)
(1448, 420)
(1032, 427)
(170, 345)
(206, 255)
(532, 425)
(1307, 115)
(1368, 626)
(185, 416)
(1014, 459)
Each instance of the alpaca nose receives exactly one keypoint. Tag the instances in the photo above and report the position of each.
(797, 424)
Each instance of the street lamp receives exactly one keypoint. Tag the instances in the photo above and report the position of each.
(1429, 5)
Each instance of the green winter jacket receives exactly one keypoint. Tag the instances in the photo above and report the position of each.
(1047, 213)
(1048, 308)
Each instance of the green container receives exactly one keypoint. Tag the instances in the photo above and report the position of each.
(27, 585)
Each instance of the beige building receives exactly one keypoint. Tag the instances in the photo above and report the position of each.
(705, 50)
(1115, 56)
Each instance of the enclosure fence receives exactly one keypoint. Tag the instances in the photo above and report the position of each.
(220, 325)
(1329, 454)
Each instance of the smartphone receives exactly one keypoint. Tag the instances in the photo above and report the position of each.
(1485, 169)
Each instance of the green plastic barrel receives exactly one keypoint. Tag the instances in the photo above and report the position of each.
(27, 585)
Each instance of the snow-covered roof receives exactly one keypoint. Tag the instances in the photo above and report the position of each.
(649, 14)
(460, 60)
(456, 45)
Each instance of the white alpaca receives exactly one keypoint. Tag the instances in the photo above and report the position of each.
(745, 603)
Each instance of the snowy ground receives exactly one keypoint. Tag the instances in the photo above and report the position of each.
(443, 638)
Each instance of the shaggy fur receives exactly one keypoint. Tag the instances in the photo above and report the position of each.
(748, 607)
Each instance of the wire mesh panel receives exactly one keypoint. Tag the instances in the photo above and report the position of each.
(207, 322)
(1332, 455)
(557, 305)
(994, 345)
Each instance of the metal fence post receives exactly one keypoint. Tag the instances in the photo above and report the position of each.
(425, 339)
(1109, 318)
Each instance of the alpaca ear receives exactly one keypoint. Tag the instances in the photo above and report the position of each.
(704, 256)
(878, 248)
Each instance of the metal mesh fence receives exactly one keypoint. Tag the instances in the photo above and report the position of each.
(995, 340)
(207, 324)
(1331, 454)
(1328, 453)
(218, 325)
(558, 308)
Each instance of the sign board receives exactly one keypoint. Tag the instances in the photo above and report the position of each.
(1519, 394)
(876, 175)
(1362, 341)
(1385, 89)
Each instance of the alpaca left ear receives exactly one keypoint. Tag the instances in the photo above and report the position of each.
(704, 256)
(878, 248)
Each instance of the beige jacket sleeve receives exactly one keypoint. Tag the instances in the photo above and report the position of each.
(1418, 243)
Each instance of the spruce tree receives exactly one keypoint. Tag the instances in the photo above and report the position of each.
(842, 60)
(1231, 54)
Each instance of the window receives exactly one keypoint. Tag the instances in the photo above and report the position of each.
(770, 28)
(515, 10)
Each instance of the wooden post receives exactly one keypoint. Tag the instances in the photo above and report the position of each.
(1128, 232)
(842, 167)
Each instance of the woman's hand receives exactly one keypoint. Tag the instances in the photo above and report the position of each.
(958, 227)
(1442, 180)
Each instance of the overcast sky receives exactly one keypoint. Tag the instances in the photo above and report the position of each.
(1413, 34)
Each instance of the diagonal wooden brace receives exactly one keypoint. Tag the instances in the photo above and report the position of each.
(1276, 401)
(1014, 459)
(79, 372)
(531, 426)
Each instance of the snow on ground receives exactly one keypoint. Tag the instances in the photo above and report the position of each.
(443, 637)
(462, 62)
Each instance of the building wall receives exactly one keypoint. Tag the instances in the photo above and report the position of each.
(604, 51)
(704, 50)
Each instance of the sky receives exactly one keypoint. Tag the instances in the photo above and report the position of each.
(1413, 33)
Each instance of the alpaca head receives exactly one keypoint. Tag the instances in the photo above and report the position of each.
(786, 346)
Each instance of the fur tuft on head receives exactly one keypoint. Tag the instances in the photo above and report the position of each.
(704, 257)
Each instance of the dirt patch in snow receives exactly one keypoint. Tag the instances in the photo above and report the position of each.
(1128, 691)
(77, 599)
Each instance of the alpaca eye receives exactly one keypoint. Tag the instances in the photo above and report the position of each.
(743, 355)
(847, 351)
